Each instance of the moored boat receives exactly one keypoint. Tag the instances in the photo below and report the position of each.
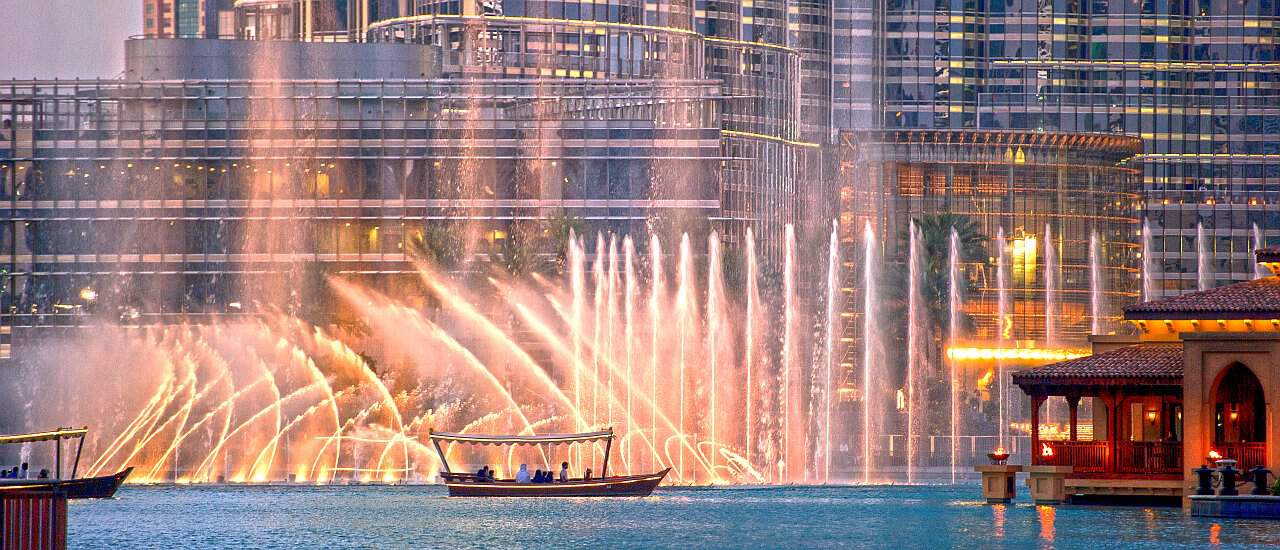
(471, 485)
(73, 487)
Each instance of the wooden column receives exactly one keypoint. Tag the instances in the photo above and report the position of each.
(1113, 429)
(1073, 404)
(1036, 402)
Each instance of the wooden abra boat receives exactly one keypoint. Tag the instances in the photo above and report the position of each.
(73, 487)
(470, 485)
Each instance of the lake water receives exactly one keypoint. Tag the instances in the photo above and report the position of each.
(769, 517)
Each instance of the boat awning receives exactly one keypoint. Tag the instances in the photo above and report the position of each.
(480, 439)
(43, 436)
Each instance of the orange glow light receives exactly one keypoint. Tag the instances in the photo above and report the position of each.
(1214, 455)
(1045, 450)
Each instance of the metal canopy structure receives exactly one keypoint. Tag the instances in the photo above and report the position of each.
(545, 439)
(57, 436)
(61, 433)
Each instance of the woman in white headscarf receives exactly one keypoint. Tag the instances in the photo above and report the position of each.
(523, 475)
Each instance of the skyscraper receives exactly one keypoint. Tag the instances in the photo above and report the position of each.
(187, 18)
(1198, 82)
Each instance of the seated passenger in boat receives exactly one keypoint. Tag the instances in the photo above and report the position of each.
(522, 476)
(586, 474)
(483, 474)
(564, 472)
(44, 473)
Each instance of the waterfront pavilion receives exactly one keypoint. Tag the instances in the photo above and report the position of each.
(1197, 381)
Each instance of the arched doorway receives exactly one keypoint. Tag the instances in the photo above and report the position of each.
(1240, 417)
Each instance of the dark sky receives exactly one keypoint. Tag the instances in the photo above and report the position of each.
(66, 38)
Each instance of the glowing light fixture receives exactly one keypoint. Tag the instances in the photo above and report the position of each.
(965, 354)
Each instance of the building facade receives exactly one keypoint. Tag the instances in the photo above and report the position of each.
(188, 18)
(208, 190)
(1197, 82)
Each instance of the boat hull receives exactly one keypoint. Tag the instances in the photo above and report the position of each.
(617, 486)
(84, 487)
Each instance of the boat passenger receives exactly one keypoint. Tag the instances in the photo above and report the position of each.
(564, 472)
(483, 474)
(44, 473)
(26, 472)
(522, 476)
(493, 475)
(586, 474)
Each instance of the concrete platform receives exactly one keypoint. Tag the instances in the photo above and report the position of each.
(1125, 487)
(1241, 506)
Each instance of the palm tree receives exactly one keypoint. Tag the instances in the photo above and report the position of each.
(519, 255)
(438, 245)
(935, 285)
(556, 230)
(935, 291)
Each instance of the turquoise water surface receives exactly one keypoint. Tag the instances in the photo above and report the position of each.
(763, 517)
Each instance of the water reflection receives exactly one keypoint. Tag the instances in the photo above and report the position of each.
(1215, 534)
(997, 520)
(1047, 515)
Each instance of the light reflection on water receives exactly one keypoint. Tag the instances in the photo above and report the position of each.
(412, 517)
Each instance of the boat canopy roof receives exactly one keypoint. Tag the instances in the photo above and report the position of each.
(481, 439)
(60, 433)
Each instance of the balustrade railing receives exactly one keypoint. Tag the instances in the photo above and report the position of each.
(1149, 457)
(1085, 457)
(1095, 457)
(1246, 455)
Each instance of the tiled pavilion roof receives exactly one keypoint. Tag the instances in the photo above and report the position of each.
(1256, 299)
(1145, 364)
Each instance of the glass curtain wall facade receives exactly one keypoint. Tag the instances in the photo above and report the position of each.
(1198, 81)
(761, 141)
(157, 201)
(1021, 185)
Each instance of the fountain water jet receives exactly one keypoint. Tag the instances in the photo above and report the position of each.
(1148, 263)
(1259, 271)
(915, 341)
(752, 324)
(1004, 327)
(953, 335)
(1204, 269)
(869, 345)
(1097, 306)
(833, 283)
(790, 401)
